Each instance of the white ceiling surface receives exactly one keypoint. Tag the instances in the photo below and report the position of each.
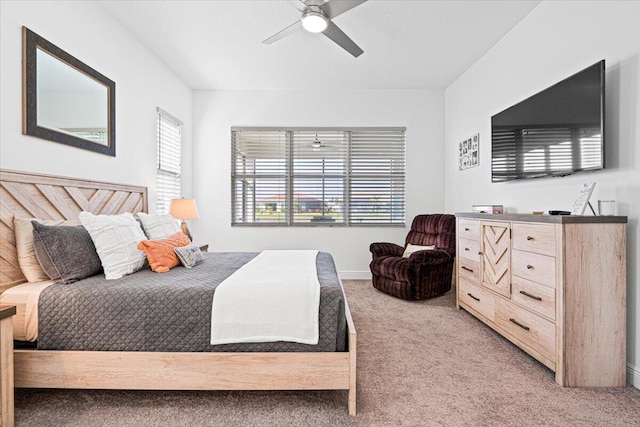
(417, 44)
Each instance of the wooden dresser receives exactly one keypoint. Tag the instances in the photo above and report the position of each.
(555, 286)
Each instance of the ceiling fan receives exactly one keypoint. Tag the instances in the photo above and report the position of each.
(317, 17)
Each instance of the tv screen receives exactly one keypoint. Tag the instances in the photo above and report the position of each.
(556, 132)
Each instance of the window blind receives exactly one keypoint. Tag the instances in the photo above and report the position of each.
(308, 176)
(169, 148)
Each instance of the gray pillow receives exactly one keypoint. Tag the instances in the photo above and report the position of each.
(65, 253)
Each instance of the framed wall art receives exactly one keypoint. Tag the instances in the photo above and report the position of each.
(469, 152)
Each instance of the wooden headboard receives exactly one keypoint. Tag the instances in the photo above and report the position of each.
(31, 195)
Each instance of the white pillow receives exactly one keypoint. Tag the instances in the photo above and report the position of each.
(116, 239)
(415, 248)
(159, 227)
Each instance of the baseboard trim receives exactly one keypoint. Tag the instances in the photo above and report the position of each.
(633, 375)
(354, 275)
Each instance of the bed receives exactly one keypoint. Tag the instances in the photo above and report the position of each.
(164, 367)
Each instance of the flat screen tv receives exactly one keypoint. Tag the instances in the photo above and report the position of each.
(556, 132)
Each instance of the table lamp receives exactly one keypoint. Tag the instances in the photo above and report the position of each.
(184, 209)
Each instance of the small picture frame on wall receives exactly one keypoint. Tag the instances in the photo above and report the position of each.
(469, 152)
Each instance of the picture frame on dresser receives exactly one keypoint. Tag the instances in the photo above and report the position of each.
(541, 281)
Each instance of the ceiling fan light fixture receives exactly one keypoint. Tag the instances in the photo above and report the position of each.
(314, 21)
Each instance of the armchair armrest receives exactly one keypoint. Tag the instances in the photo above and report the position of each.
(431, 257)
(383, 248)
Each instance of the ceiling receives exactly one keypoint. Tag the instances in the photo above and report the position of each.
(418, 44)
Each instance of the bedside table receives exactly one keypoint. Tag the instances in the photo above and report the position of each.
(6, 364)
(204, 248)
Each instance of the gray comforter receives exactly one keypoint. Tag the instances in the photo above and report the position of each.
(148, 311)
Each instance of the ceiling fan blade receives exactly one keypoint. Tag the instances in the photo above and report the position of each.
(334, 8)
(299, 4)
(284, 33)
(338, 36)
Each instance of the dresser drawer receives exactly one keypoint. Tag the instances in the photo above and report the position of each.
(538, 238)
(468, 229)
(476, 298)
(534, 296)
(532, 330)
(537, 268)
(469, 249)
(469, 269)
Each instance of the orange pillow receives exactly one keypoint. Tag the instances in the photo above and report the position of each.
(160, 252)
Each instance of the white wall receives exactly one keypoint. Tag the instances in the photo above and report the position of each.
(421, 112)
(555, 40)
(88, 32)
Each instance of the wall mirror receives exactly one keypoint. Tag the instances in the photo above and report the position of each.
(65, 100)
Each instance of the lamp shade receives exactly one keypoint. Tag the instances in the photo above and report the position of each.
(183, 209)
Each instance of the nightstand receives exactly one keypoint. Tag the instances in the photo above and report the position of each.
(204, 248)
(6, 364)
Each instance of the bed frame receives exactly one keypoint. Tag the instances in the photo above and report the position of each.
(51, 197)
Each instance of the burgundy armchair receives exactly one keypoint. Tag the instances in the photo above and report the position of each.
(425, 274)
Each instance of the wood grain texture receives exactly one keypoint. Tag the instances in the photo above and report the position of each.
(536, 238)
(181, 371)
(534, 296)
(30, 195)
(595, 306)
(578, 328)
(6, 371)
(474, 296)
(496, 257)
(535, 267)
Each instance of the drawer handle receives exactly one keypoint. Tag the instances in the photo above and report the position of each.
(526, 328)
(471, 295)
(529, 238)
(479, 253)
(531, 296)
(529, 267)
(466, 268)
(466, 229)
(477, 299)
(466, 249)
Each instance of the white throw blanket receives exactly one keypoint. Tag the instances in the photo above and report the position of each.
(274, 297)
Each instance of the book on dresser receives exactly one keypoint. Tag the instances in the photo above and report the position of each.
(542, 281)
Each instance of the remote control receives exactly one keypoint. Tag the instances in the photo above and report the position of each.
(559, 213)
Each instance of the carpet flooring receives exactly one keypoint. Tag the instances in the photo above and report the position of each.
(419, 364)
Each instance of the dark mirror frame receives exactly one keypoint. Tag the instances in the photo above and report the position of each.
(30, 43)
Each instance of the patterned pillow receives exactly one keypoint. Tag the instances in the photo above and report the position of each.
(189, 255)
(160, 253)
(65, 253)
(158, 227)
(116, 239)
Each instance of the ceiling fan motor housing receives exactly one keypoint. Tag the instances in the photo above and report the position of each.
(314, 19)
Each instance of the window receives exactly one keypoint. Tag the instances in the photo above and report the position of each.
(306, 176)
(168, 174)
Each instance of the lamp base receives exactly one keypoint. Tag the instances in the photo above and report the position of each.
(185, 229)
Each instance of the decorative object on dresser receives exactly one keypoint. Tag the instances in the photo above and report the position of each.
(184, 209)
(65, 100)
(6, 365)
(542, 282)
(582, 201)
(423, 274)
(490, 209)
